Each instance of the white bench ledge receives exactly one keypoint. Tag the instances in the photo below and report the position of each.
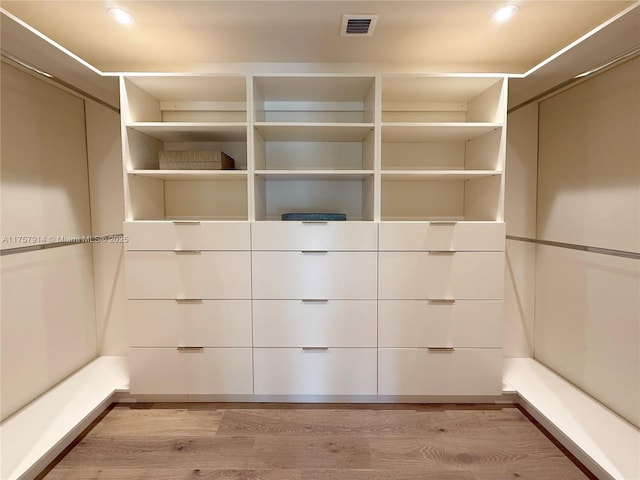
(608, 445)
(31, 438)
(603, 441)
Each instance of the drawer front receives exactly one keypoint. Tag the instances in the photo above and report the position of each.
(422, 323)
(314, 236)
(420, 371)
(334, 371)
(203, 275)
(434, 276)
(327, 275)
(445, 236)
(208, 371)
(202, 323)
(297, 323)
(187, 235)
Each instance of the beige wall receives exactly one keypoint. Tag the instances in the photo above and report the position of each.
(48, 320)
(589, 167)
(61, 177)
(587, 309)
(107, 214)
(520, 218)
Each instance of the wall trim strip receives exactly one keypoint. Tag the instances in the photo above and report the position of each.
(78, 240)
(573, 246)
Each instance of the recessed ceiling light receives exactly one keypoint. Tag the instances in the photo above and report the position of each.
(505, 13)
(121, 16)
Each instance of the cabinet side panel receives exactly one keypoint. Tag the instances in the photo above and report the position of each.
(141, 151)
(485, 152)
(482, 198)
(489, 106)
(147, 198)
(142, 107)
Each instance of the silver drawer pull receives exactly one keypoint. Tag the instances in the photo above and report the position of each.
(441, 252)
(443, 222)
(186, 222)
(315, 222)
(187, 252)
(308, 349)
(314, 252)
(441, 349)
(190, 349)
(188, 300)
(315, 300)
(442, 300)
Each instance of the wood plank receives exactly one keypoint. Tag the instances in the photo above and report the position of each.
(477, 453)
(124, 422)
(99, 473)
(329, 422)
(372, 474)
(315, 442)
(310, 452)
(161, 452)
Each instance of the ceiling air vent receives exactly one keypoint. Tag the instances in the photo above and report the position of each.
(358, 25)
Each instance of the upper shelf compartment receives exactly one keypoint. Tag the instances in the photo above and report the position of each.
(195, 98)
(314, 99)
(443, 99)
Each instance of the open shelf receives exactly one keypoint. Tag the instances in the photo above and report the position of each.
(413, 175)
(351, 194)
(314, 174)
(441, 98)
(435, 132)
(192, 131)
(314, 98)
(184, 98)
(426, 196)
(179, 195)
(219, 175)
(314, 132)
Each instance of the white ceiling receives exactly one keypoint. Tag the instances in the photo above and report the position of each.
(180, 35)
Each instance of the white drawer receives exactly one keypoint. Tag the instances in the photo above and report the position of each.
(201, 275)
(334, 371)
(207, 371)
(205, 323)
(435, 276)
(423, 323)
(314, 275)
(331, 323)
(314, 236)
(444, 236)
(187, 235)
(420, 371)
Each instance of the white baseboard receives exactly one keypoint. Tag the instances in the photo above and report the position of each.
(604, 442)
(34, 436)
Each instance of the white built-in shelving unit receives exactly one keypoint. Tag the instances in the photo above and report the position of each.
(431, 147)
(402, 299)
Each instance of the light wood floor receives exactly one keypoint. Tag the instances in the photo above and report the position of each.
(315, 442)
